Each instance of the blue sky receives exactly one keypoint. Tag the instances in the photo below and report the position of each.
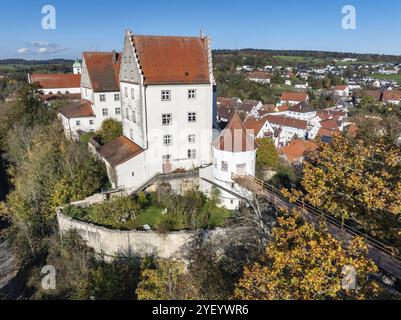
(286, 24)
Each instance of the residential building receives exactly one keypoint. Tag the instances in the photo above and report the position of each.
(293, 98)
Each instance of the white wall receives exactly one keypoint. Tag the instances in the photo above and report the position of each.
(223, 178)
(61, 90)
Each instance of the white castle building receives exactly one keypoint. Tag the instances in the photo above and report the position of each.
(162, 90)
(166, 87)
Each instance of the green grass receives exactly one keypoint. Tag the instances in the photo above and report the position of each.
(150, 216)
(389, 77)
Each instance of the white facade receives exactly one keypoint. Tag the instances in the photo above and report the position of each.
(61, 90)
(171, 122)
(306, 116)
(227, 163)
(73, 124)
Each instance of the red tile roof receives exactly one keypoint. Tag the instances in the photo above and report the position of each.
(228, 102)
(173, 59)
(288, 122)
(258, 75)
(78, 109)
(254, 124)
(297, 149)
(119, 151)
(323, 132)
(341, 87)
(330, 124)
(234, 138)
(392, 95)
(104, 70)
(294, 96)
(57, 81)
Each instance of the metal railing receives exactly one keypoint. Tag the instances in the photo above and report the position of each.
(343, 225)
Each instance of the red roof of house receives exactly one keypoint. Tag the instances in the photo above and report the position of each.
(341, 87)
(254, 124)
(228, 102)
(57, 81)
(286, 121)
(392, 95)
(294, 96)
(166, 59)
(119, 151)
(296, 149)
(330, 124)
(258, 75)
(234, 138)
(78, 109)
(324, 132)
(104, 70)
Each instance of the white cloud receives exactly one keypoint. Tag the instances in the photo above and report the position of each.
(42, 47)
(23, 51)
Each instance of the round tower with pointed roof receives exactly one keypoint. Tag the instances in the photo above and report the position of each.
(234, 153)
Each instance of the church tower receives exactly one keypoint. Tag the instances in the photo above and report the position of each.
(77, 67)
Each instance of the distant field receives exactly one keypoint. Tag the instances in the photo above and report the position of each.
(396, 77)
(299, 59)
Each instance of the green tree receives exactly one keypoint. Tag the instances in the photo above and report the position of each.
(266, 155)
(110, 130)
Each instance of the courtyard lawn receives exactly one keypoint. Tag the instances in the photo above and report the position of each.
(150, 216)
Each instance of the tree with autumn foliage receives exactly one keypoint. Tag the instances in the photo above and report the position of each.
(163, 279)
(356, 181)
(306, 263)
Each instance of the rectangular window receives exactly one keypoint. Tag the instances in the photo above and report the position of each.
(125, 74)
(191, 94)
(133, 116)
(127, 113)
(118, 111)
(132, 93)
(105, 112)
(78, 123)
(102, 98)
(132, 75)
(131, 134)
(215, 163)
(191, 154)
(167, 157)
(116, 97)
(191, 116)
(126, 92)
(224, 166)
(241, 169)
(91, 122)
(166, 119)
(166, 95)
(167, 141)
(191, 138)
